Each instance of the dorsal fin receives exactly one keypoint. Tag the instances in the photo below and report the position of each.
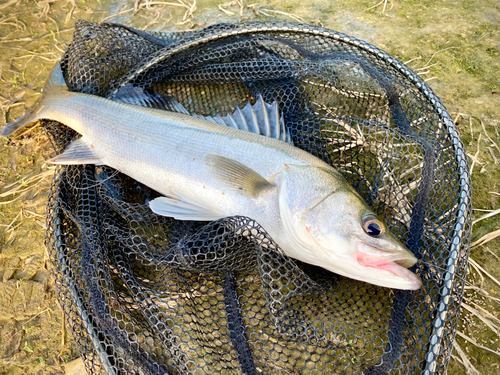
(260, 118)
(135, 95)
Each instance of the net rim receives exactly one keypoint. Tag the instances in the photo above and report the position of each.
(461, 227)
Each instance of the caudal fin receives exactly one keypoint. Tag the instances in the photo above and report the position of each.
(56, 80)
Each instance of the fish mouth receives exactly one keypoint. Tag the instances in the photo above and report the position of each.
(395, 262)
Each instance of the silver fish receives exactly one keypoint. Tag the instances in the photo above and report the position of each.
(239, 164)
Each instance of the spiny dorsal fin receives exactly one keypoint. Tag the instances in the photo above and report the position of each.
(78, 152)
(260, 118)
(236, 175)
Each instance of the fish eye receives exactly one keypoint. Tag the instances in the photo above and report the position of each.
(373, 226)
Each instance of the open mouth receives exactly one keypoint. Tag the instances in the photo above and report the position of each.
(396, 263)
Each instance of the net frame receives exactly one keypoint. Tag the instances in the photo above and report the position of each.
(166, 47)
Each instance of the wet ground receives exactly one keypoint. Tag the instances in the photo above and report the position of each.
(454, 45)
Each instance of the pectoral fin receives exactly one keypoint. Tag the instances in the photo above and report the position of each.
(236, 175)
(185, 209)
(78, 152)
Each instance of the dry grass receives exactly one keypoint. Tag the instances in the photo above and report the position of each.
(384, 6)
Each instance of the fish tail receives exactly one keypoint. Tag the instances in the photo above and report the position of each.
(56, 80)
(18, 124)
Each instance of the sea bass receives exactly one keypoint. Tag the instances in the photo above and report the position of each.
(209, 168)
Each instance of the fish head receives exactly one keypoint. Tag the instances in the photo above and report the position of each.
(331, 226)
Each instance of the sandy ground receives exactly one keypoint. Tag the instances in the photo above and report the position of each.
(454, 45)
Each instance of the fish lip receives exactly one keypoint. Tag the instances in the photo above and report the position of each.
(396, 262)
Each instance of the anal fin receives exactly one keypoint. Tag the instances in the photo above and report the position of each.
(79, 151)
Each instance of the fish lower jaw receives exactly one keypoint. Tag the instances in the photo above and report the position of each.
(388, 269)
(388, 275)
(405, 279)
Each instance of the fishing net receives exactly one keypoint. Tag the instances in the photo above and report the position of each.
(145, 294)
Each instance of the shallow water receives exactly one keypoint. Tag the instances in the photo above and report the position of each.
(453, 44)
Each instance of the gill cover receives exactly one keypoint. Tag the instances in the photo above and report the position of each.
(301, 189)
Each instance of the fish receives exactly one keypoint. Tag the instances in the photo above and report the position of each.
(240, 164)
